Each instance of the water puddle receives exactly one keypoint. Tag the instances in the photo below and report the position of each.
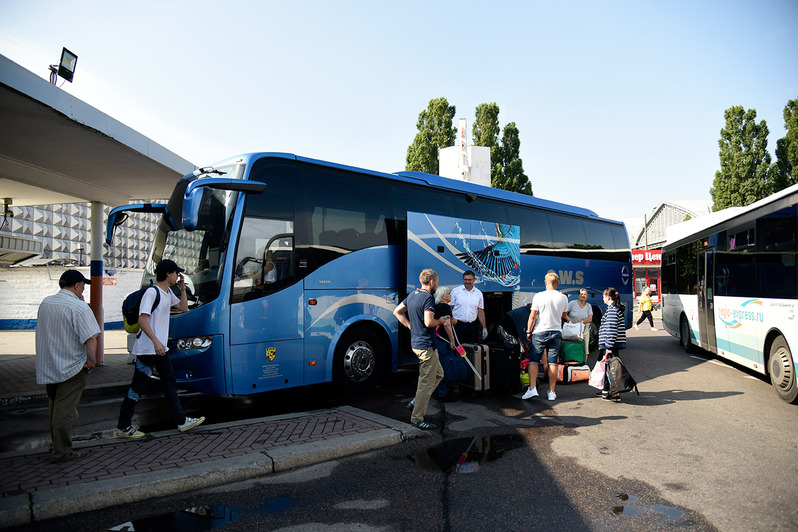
(630, 509)
(204, 517)
(466, 455)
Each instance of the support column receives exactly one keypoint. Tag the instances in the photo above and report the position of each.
(96, 303)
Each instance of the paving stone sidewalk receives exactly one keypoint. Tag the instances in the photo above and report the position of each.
(117, 471)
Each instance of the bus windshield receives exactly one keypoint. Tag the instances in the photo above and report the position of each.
(201, 252)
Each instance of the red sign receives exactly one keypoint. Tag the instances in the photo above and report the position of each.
(646, 257)
(109, 281)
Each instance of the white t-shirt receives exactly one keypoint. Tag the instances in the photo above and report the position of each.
(551, 305)
(465, 304)
(159, 320)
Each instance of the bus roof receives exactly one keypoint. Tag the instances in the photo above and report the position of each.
(685, 230)
(431, 180)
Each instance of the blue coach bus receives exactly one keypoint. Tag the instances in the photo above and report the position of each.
(295, 265)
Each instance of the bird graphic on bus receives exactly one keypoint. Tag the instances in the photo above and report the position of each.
(498, 261)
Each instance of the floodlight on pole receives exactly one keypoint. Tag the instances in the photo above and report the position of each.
(66, 68)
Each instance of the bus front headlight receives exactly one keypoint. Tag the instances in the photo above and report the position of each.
(197, 342)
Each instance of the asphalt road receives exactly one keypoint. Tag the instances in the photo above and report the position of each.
(706, 446)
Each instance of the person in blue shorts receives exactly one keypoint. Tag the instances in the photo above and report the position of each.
(549, 309)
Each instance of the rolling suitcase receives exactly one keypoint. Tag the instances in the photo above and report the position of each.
(505, 359)
(479, 355)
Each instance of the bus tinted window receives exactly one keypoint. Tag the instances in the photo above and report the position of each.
(776, 272)
(535, 230)
(567, 232)
(686, 274)
(345, 212)
(265, 255)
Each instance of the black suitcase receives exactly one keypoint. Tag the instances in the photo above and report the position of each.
(505, 359)
(479, 355)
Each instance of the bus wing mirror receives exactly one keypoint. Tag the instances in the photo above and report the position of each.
(118, 216)
(193, 195)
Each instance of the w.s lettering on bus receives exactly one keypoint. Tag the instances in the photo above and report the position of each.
(572, 277)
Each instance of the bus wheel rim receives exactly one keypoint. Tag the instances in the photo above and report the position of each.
(359, 361)
(780, 368)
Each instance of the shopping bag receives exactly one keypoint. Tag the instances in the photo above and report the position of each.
(597, 374)
(572, 331)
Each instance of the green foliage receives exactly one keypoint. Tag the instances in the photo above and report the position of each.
(511, 177)
(506, 167)
(744, 174)
(786, 167)
(485, 132)
(435, 131)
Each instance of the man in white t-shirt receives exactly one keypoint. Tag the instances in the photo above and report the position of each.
(549, 309)
(151, 351)
(468, 308)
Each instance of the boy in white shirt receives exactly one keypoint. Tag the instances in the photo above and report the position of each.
(151, 351)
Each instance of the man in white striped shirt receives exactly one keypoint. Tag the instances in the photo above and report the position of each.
(66, 350)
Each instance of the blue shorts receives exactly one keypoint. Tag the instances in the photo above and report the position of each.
(550, 340)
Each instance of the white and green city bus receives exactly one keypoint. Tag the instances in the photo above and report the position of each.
(729, 286)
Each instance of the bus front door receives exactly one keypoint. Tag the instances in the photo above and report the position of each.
(706, 300)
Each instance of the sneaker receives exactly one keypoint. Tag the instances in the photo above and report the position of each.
(411, 404)
(654, 329)
(614, 399)
(530, 393)
(551, 395)
(131, 433)
(73, 455)
(423, 425)
(190, 423)
(636, 327)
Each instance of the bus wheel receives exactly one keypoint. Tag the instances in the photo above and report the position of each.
(782, 371)
(684, 335)
(358, 364)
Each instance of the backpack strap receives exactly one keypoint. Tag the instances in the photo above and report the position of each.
(154, 305)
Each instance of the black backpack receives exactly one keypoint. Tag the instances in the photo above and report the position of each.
(619, 377)
(131, 311)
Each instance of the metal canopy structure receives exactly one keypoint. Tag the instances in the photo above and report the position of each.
(55, 148)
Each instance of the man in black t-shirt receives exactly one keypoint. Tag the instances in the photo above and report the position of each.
(417, 313)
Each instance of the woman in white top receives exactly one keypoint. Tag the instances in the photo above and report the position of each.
(580, 311)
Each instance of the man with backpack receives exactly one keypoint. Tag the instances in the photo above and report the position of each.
(151, 351)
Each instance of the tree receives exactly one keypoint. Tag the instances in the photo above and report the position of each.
(506, 167)
(744, 174)
(435, 131)
(512, 175)
(786, 166)
(486, 133)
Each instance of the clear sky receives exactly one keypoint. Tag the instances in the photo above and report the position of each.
(619, 103)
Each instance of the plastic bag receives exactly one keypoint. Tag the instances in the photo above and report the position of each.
(572, 331)
(597, 374)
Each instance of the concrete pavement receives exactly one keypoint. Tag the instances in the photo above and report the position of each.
(118, 472)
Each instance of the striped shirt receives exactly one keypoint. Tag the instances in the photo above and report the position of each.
(63, 325)
(612, 332)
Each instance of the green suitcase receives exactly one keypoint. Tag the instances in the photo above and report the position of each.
(571, 351)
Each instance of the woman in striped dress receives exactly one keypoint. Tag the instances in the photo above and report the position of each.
(612, 335)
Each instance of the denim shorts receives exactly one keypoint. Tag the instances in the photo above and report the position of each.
(550, 340)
